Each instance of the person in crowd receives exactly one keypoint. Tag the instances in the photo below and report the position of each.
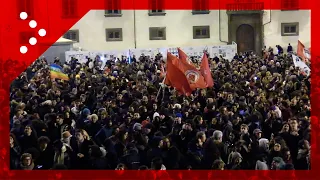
(15, 152)
(257, 116)
(289, 49)
(26, 162)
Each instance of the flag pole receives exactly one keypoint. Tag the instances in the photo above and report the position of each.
(160, 88)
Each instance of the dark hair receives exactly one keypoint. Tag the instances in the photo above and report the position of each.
(15, 142)
(143, 167)
(157, 163)
(218, 164)
(43, 140)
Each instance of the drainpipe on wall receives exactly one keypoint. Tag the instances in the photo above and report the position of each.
(220, 26)
(134, 25)
(267, 22)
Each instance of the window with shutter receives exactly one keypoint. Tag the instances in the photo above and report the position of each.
(201, 32)
(26, 6)
(200, 7)
(114, 34)
(157, 33)
(69, 8)
(72, 35)
(289, 5)
(290, 29)
(156, 7)
(113, 8)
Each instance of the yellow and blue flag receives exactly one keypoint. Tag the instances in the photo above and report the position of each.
(56, 72)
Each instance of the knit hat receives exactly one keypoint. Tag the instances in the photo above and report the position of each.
(86, 111)
(179, 115)
(137, 127)
(155, 115)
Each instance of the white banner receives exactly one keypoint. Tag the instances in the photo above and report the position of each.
(301, 65)
(226, 51)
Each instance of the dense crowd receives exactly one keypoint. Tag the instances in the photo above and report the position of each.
(257, 116)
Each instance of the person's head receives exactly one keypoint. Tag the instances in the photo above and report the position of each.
(287, 154)
(217, 136)
(26, 159)
(43, 142)
(60, 119)
(143, 167)
(156, 163)
(165, 143)
(145, 99)
(120, 167)
(123, 135)
(244, 129)
(136, 116)
(277, 147)
(257, 133)
(13, 140)
(223, 110)
(28, 130)
(81, 135)
(277, 163)
(218, 165)
(93, 118)
(285, 127)
(155, 106)
(294, 124)
(201, 137)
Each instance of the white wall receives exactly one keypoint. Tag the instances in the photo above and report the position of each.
(179, 31)
(272, 30)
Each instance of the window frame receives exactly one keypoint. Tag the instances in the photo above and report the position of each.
(195, 28)
(25, 6)
(283, 25)
(200, 7)
(290, 4)
(76, 31)
(113, 30)
(156, 5)
(151, 32)
(115, 6)
(71, 5)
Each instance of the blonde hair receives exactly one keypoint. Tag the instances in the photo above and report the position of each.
(84, 134)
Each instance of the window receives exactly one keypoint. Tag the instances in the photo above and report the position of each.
(114, 34)
(157, 33)
(201, 32)
(25, 36)
(156, 7)
(69, 8)
(200, 7)
(113, 8)
(290, 29)
(72, 35)
(289, 5)
(26, 6)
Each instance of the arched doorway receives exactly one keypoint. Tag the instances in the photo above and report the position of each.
(245, 38)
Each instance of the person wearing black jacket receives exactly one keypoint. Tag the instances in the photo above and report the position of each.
(81, 150)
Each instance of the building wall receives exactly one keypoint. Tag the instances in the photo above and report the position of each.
(272, 30)
(179, 31)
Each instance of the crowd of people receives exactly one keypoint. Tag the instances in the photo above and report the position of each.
(257, 116)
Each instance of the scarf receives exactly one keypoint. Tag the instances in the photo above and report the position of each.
(27, 167)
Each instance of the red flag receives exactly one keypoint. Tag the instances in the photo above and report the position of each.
(183, 57)
(205, 71)
(195, 79)
(175, 77)
(300, 51)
